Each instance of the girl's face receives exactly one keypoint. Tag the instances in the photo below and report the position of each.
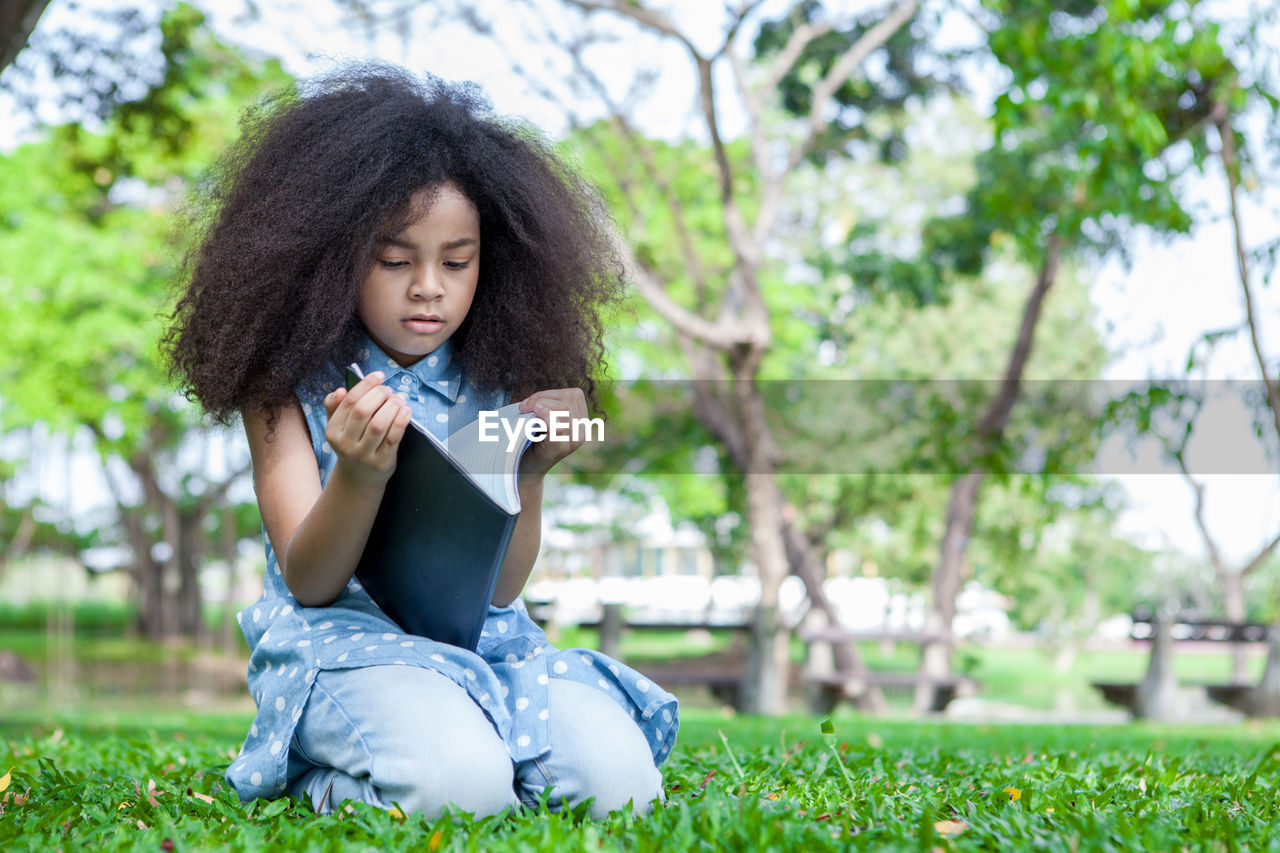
(420, 287)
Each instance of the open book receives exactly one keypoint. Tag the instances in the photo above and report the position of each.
(442, 530)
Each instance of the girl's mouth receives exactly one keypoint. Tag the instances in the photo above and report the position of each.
(423, 324)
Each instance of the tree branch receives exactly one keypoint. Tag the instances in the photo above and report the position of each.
(1261, 557)
(17, 21)
(1229, 163)
(739, 237)
(740, 16)
(786, 59)
(843, 68)
(644, 153)
(1215, 556)
(996, 416)
(213, 496)
(642, 15)
(717, 335)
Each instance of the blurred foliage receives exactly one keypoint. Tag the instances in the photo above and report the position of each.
(98, 58)
(911, 210)
(87, 251)
(870, 109)
(914, 227)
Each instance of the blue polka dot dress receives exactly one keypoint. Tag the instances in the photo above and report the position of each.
(507, 676)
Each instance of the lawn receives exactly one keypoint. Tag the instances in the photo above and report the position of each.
(130, 774)
(153, 781)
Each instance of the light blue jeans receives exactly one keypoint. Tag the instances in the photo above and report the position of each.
(403, 735)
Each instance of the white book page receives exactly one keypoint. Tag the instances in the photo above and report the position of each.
(490, 463)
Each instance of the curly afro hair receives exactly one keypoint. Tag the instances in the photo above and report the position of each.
(287, 224)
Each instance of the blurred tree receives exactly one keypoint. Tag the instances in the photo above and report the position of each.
(86, 259)
(26, 526)
(1096, 95)
(1246, 83)
(869, 428)
(17, 19)
(712, 293)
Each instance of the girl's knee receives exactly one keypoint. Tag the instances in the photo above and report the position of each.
(597, 752)
(618, 780)
(466, 768)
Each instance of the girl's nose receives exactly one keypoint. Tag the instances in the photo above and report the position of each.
(426, 285)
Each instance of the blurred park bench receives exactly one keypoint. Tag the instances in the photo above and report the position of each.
(1154, 697)
(832, 685)
(617, 606)
(720, 673)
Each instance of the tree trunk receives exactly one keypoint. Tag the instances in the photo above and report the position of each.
(227, 550)
(147, 575)
(847, 658)
(17, 19)
(169, 568)
(1157, 692)
(935, 659)
(764, 688)
(1233, 605)
(189, 552)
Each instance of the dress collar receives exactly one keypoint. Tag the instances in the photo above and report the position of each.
(436, 371)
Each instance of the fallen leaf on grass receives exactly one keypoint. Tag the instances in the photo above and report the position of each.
(705, 780)
(950, 827)
(199, 796)
(141, 825)
(434, 844)
(396, 814)
(875, 741)
(771, 796)
(1014, 794)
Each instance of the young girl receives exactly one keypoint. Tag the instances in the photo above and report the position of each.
(377, 218)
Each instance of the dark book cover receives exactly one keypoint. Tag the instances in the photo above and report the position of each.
(437, 544)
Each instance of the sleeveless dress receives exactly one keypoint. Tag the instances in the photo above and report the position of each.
(508, 674)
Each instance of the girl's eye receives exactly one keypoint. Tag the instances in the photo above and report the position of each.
(392, 265)
(457, 265)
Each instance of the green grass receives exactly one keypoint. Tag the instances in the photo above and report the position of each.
(104, 782)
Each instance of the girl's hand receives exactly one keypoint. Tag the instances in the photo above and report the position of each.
(364, 429)
(542, 455)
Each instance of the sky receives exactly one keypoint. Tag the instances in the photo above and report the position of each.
(1150, 311)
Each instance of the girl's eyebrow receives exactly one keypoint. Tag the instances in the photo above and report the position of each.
(387, 240)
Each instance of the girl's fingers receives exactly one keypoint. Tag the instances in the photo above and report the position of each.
(572, 402)
(396, 432)
(354, 411)
(343, 399)
(332, 400)
(379, 423)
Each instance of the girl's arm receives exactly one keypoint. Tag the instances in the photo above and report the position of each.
(319, 533)
(537, 461)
